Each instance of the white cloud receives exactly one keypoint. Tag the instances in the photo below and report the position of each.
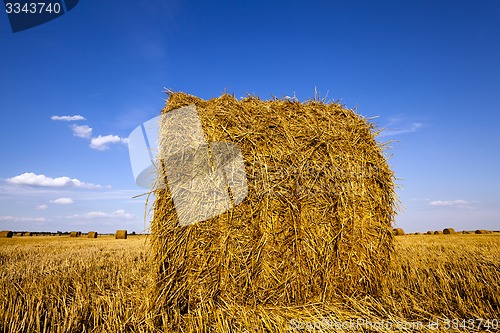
(42, 207)
(460, 203)
(414, 127)
(91, 215)
(100, 142)
(103, 142)
(32, 179)
(120, 213)
(22, 219)
(82, 131)
(68, 118)
(63, 201)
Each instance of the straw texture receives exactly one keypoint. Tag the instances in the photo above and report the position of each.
(398, 232)
(316, 223)
(6, 234)
(121, 234)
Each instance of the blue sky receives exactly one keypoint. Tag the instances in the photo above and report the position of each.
(429, 70)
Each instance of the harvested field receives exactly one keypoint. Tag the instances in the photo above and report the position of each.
(77, 285)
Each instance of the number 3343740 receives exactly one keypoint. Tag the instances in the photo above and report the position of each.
(32, 7)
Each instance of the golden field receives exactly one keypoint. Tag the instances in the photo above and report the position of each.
(436, 283)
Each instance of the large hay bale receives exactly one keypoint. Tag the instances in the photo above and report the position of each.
(482, 232)
(121, 234)
(28, 234)
(438, 232)
(74, 234)
(429, 232)
(316, 222)
(6, 234)
(398, 232)
(92, 234)
(449, 231)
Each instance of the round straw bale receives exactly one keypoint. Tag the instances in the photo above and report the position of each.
(316, 222)
(6, 234)
(27, 234)
(121, 234)
(74, 234)
(429, 233)
(398, 232)
(92, 234)
(482, 231)
(449, 231)
(438, 232)
(19, 233)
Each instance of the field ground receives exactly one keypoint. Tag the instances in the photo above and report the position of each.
(436, 283)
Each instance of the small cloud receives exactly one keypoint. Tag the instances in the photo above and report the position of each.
(22, 219)
(397, 126)
(420, 199)
(120, 213)
(68, 118)
(63, 201)
(450, 203)
(42, 207)
(32, 179)
(103, 142)
(414, 127)
(91, 215)
(82, 131)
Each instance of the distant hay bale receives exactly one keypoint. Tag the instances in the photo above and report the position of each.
(482, 232)
(29, 234)
(418, 233)
(449, 231)
(398, 232)
(315, 223)
(121, 234)
(429, 233)
(19, 234)
(6, 234)
(438, 232)
(92, 234)
(74, 234)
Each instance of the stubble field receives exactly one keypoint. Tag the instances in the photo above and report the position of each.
(436, 283)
